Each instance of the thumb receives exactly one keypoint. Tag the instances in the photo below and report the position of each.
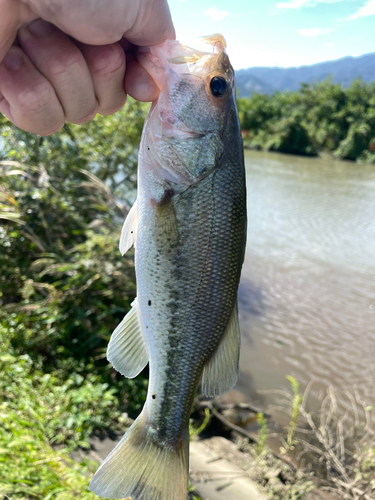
(94, 22)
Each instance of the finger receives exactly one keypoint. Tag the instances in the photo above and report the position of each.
(106, 64)
(29, 100)
(12, 15)
(62, 63)
(139, 84)
(153, 24)
(143, 22)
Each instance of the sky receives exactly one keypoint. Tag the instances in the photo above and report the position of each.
(280, 32)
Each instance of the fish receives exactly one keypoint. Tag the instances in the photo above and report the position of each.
(188, 227)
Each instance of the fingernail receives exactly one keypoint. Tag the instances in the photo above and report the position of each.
(40, 28)
(13, 60)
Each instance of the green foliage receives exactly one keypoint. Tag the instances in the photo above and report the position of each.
(38, 409)
(295, 411)
(31, 469)
(191, 495)
(278, 479)
(64, 287)
(195, 431)
(319, 118)
(262, 435)
(64, 410)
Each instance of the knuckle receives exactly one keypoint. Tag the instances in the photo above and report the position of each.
(108, 109)
(64, 63)
(38, 110)
(35, 97)
(52, 129)
(43, 125)
(85, 116)
(108, 60)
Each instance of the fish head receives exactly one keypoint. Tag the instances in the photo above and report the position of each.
(185, 131)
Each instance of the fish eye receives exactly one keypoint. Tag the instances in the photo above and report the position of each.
(218, 86)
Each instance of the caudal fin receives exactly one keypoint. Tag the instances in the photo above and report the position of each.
(142, 469)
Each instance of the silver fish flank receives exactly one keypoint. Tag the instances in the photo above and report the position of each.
(188, 226)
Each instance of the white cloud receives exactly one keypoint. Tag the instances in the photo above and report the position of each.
(245, 56)
(293, 4)
(297, 4)
(367, 10)
(315, 31)
(215, 14)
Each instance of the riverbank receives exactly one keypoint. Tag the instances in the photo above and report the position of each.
(322, 117)
(324, 155)
(229, 461)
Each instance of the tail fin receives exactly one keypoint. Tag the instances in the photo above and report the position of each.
(142, 469)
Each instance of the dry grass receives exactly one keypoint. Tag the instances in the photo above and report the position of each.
(334, 439)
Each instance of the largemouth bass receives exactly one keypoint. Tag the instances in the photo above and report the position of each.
(188, 226)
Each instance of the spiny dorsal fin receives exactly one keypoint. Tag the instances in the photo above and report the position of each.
(129, 229)
(127, 350)
(221, 371)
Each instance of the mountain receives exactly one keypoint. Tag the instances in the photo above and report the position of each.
(268, 80)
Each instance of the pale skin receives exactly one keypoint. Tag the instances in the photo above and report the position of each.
(67, 60)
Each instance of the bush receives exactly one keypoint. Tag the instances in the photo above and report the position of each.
(318, 118)
(64, 287)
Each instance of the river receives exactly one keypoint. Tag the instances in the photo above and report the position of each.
(307, 293)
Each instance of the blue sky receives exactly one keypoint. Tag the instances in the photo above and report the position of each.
(281, 32)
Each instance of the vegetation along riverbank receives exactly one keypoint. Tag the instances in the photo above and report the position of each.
(318, 119)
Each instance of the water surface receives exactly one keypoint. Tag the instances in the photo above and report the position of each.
(307, 294)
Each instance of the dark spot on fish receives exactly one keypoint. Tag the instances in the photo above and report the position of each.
(153, 396)
(166, 198)
(149, 302)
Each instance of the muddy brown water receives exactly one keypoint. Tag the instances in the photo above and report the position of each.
(307, 293)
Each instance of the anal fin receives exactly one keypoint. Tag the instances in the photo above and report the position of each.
(220, 373)
(127, 349)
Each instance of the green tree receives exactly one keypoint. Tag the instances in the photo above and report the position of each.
(64, 286)
(319, 118)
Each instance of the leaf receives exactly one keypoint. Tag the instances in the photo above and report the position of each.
(7, 358)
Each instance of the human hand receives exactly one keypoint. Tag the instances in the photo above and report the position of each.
(73, 59)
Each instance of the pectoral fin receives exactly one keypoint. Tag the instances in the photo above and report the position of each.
(129, 229)
(221, 371)
(127, 350)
